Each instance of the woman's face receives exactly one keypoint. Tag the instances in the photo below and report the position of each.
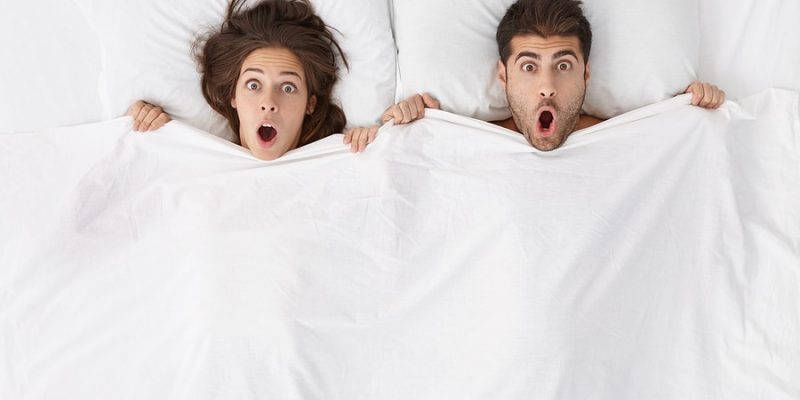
(271, 99)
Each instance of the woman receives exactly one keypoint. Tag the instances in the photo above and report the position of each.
(270, 71)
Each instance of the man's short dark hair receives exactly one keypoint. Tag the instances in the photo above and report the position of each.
(544, 18)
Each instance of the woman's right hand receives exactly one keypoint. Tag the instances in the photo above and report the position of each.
(147, 117)
(410, 109)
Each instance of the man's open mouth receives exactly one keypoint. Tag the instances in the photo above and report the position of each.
(267, 132)
(545, 119)
(546, 122)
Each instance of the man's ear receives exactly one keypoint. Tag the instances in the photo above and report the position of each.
(312, 104)
(501, 73)
(586, 73)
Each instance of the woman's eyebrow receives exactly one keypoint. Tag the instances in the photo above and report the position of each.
(291, 73)
(261, 71)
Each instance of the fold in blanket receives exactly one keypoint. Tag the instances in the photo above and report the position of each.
(655, 255)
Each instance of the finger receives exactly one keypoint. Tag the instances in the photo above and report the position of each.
(412, 108)
(419, 104)
(719, 97)
(714, 97)
(134, 108)
(373, 132)
(708, 95)
(387, 115)
(697, 92)
(160, 121)
(362, 140)
(348, 135)
(133, 111)
(430, 102)
(150, 117)
(140, 116)
(354, 143)
(397, 114)
(406, 110)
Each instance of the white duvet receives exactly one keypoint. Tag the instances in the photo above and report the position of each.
(654, 256)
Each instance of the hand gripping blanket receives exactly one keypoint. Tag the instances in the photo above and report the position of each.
(654, 256)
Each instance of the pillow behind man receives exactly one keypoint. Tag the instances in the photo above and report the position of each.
(642, 52)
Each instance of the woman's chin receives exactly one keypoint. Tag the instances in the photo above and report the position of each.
(267, 155)
(263, 151)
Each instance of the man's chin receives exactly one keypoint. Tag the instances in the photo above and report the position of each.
(546, 144)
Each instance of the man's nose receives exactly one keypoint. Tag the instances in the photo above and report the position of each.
(547, 89)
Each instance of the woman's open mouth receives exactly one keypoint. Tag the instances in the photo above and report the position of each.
(546, 122)
(267, 133)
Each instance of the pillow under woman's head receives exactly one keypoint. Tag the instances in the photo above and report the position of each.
(146, 54)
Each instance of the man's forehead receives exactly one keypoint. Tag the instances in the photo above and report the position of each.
(544, 46)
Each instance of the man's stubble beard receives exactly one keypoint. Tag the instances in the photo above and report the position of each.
(566, 119)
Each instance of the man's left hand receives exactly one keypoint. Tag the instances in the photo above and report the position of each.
(706, 95)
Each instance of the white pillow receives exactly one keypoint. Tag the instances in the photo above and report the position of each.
(51, 62)
(747, 45)
(147, 55)
(448, 49)
(642, 52)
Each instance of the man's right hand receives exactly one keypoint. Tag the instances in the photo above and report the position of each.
(410, 109)
(147, 117)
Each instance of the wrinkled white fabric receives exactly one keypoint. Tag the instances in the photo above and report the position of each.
(653, 256)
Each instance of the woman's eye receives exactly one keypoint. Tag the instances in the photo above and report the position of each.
(564, 66)
(252, 85)
(528, 67)
(288, 88)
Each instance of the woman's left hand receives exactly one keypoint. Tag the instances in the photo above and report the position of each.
(359, 138)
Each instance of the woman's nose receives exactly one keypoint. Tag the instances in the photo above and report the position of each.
(271, 107)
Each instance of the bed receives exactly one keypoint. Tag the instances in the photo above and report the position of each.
(655, 255)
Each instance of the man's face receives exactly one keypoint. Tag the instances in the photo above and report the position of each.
(545, 83)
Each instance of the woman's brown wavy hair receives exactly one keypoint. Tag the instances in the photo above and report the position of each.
(289, 24)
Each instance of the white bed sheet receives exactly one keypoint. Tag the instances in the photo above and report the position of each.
(656, 255)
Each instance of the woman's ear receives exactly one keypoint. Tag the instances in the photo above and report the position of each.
(233, 102)
(312, 104)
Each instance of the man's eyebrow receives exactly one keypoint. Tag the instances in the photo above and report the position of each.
(563, 53)
(528, 54)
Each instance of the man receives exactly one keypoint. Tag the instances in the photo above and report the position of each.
(544, 46)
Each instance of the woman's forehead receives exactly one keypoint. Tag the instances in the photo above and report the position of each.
(272, 60)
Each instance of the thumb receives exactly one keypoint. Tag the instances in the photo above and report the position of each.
(387, 116)
(429, 101)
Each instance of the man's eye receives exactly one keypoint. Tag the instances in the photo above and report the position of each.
(528, 67)
(252, 85)
(288, 88)
(564, 66)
